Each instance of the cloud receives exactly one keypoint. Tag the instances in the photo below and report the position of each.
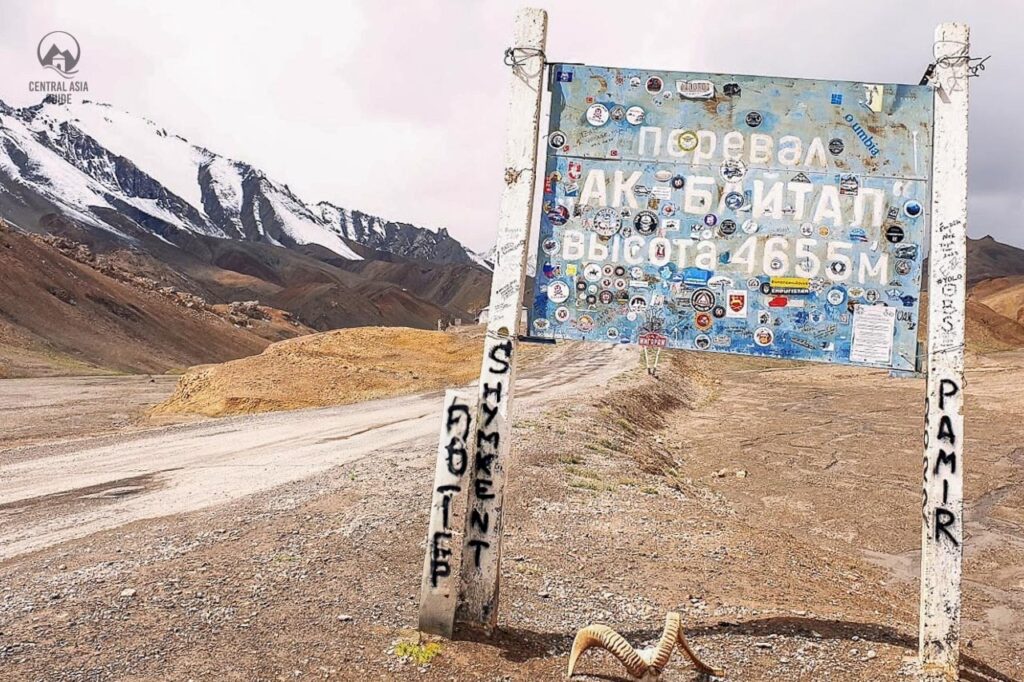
(401, 108)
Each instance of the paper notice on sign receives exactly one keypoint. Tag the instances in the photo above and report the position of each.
(873, 327)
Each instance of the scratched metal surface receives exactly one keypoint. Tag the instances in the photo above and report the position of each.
(743, 214)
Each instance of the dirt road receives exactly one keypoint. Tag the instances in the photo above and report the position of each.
(775, 506)
(58, 491)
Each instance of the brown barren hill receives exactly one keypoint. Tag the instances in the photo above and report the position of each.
(1005, 295)
(60, 316)
(331, 368)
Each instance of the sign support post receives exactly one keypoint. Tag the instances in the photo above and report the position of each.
(439, 589)
(942, 507)
(481, 552)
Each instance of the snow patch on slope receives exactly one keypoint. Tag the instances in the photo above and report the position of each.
(304, 230)
(168, 159)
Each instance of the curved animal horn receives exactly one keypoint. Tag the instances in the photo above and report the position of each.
(700, 665)
(663, 651)
(604, 637)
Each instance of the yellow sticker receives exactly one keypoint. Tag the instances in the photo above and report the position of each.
(789, 283)
(687, 140)
(570, 269)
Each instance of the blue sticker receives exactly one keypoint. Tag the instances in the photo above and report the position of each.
(837, 97)
(563, 76)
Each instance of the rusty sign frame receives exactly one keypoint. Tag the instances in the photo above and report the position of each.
(474, 447)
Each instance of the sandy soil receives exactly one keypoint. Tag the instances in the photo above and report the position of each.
(57, 408)
(339, 367)
(625, 501)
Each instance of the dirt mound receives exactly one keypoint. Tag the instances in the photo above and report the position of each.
(332, 368)
(987, 330)
(1005, 295)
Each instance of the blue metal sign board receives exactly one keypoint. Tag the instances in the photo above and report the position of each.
(764, 216)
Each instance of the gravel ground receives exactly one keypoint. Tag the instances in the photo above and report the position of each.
(773, 506)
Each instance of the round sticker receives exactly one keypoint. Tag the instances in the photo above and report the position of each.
(728, 227)
(561, 313)
(702, 320)
(585, 323)
(894, 234)
(837, 268)
(663, 175)
(749, 226)
(687, 141)
(620, 271)
(710, 220)
(557, 139)
(646, 222)
(591, 299)
(703, 300)
(654, 85)
(678, 182)
(733, 200)
(558, 292)
(718, 311)
(835, 296)
(592, 272)
(605, 296)
(753, 283)
(620, 284)
(549, 246)
(754, 119)
(763, 336)
(835, 146)
(637, 303)
(702, 342)
(635, 115)
(618, 112)
(597, 114)
(613, 333)
(636, 272)
(558, 215)
(706, 234)
(912, 208)
(733, 170)
(871, 295)
(806, 229)
(902, 267)
(606, 222)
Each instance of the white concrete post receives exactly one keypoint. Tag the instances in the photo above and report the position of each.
(439, 588)
(943, 528)
(481, 554)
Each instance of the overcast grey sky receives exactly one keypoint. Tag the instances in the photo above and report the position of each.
(398, 108)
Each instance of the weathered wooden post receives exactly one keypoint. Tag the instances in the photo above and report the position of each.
(439, 588)
(481, 553)
(942, 536)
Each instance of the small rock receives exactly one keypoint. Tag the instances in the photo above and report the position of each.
(871, 654)
(128, 592)
(740, 473)
(345, 618)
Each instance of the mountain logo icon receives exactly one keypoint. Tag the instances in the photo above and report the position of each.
(60, 51)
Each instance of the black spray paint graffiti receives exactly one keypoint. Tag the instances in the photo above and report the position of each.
(457, 423)
(945, 461)
(488, 441)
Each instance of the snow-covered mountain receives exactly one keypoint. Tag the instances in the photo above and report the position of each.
(97, 166)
